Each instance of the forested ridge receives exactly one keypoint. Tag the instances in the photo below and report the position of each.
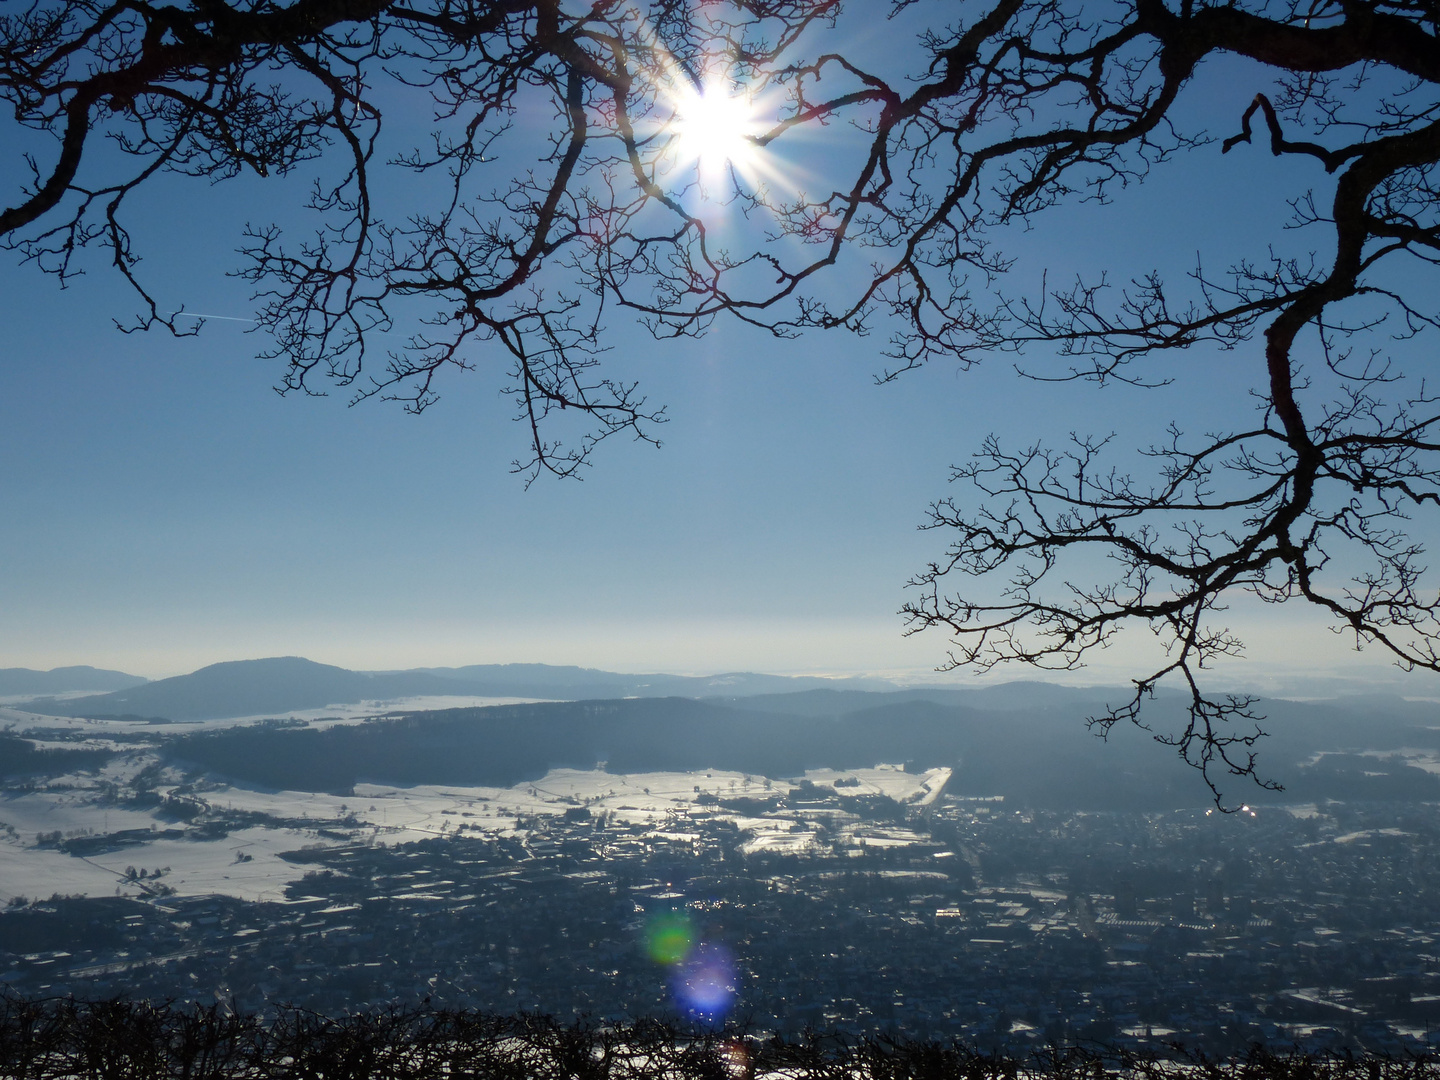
(1035, 756)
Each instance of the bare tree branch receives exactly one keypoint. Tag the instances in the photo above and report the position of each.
(1017, 108)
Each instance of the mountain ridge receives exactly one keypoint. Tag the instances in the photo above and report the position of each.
(63, 680)
(281, 684)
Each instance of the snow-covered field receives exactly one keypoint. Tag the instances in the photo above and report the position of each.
(891, 781)
(247, 862)
(73, 812)
(31, 872)
(21, 722)
(190, 867)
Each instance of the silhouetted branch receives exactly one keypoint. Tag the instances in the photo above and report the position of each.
(552, 189)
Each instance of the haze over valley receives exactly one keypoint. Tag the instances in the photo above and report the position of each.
(673, 540)
(512, 836)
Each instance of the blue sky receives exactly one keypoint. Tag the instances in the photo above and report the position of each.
(164, 508)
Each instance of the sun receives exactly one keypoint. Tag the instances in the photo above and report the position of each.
(715, 128)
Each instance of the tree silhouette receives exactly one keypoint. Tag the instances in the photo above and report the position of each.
(1012, 110)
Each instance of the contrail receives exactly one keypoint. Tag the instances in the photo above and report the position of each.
(202, 315)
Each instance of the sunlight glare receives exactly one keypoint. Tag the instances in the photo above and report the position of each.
(714, 127)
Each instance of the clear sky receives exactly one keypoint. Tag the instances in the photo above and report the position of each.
(164, 508)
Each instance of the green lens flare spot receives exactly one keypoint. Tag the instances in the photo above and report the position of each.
(669, 937)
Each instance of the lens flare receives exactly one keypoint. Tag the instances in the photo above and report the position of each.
(715, 128)
(705, 986)
(735, 1059)
(669, 937)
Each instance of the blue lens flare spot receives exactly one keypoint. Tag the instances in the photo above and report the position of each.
(705, 985)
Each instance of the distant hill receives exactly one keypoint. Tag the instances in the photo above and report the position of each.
(287, 684)
(252, 687)
(1027, 741)
(836, 700)
(63, 680)
(1040, 757)
(575, 683)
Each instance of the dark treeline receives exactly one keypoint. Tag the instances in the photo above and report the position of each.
(507, 744)
(21, 757)
(1043, 757)
(66, 1039)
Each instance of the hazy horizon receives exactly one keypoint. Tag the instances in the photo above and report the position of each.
(1277, 681)
(166, 509)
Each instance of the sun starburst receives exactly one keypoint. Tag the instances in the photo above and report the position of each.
(716, 128)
